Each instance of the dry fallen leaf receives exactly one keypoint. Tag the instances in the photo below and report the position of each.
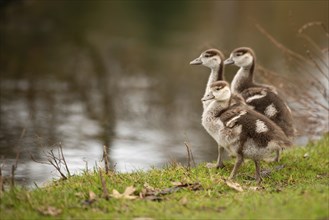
(116, 194)
(234, 185)
(127, 194)
(92, 196)
(129, 190)
(49, 210)
(177, 183)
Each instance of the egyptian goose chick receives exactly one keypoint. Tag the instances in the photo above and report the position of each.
(241, 131)
(213, 59)
(263, 98)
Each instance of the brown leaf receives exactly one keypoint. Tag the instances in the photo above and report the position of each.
(126, 195)
(234, 185)
(92, 196)
(191, 186)
(177, 183)
(129, 190)
(49, 210)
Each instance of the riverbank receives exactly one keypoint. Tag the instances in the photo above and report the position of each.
(294, 188)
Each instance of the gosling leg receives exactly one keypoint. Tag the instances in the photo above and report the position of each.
(238, 162)
(219, 163)
(258, 176)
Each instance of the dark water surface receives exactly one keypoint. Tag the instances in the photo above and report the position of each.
(85, 74)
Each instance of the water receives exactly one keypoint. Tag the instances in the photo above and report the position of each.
(88, 74)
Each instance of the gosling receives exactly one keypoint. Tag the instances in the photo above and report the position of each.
(241, 131)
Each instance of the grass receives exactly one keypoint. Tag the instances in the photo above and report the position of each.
(297, 191)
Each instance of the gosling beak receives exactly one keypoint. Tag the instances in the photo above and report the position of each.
(197, 61)
(228, 61)
(208, 97)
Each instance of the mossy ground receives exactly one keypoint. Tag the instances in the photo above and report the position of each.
(300, 190)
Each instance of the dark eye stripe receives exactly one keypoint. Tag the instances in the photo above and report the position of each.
(240, 52)
(210, 53)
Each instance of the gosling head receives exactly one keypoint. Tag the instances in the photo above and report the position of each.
(219, 90)
(241, 57)
(211, 58)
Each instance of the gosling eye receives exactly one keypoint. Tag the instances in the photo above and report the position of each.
(207, 55)
(239, 54)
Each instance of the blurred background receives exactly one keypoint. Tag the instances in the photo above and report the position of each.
(84, 74)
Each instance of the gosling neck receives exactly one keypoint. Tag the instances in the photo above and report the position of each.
(243, 79)
(216, 74)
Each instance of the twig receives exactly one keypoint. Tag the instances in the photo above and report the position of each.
(36, 185)
(2, 188)
(106, 160)
(281, 46)
(13, 169)
(104, 189)
(66, 167)
(189, 155)
(308, 108)
(311, 24)
(14, 166)
(55, 161)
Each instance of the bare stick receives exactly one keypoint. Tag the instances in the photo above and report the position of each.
(17, 157)
(66, 167)
(106, 160)
(105, 191)
(309, 109)
(54, 161)
(311, 24)
(281, 47)
(13, 168)
(36, 185)
(189, 155)
(54, 164)
(2, 188)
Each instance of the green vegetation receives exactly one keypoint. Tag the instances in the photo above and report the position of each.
(296, 188)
